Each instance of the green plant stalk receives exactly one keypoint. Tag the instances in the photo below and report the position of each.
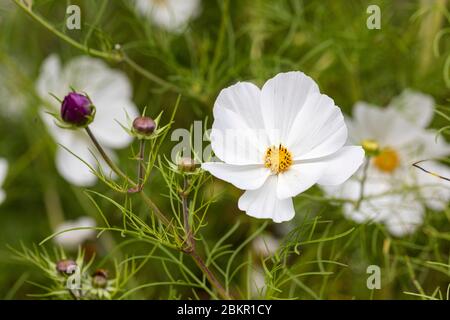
(120, 173)
(363, 182)
(116, 56)
(191, 247)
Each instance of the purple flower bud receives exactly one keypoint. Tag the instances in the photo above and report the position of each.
(66, 266)
(76, 109)
(144, 125)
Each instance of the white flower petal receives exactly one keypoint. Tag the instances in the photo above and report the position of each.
(247, 177)
(3, 170)
(263, 203)
(106, 127)
(406, 215)
(331, 170)
(49, 80)
(238, 135)
(319, 129)
(299, 178)
(171, 15)
(342, 165)
(415, 106)
(282, 98)
(72, 239)
(386, 126)
(72, 168)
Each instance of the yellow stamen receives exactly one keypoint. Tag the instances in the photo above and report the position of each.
(277, 159)
(387, 160)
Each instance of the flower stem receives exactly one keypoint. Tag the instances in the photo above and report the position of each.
(105, 156)
(211, 277)
(363, 182)
(116, 56)
(120, 173)
(191, 247)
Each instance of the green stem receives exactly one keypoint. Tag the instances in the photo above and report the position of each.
(185, 206)
(116, 56)
(211, 277)
(363, 182)
(120, 173)
(141, 165)
(48, 26)
(108, 160)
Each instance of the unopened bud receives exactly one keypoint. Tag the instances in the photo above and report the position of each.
(76, 109)
(66, 266)
(100, 278)
(144, 125)
(186, 164)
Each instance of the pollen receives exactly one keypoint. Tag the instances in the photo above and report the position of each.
(387, 160)
(277, 159)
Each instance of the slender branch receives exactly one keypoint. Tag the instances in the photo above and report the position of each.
(191, 247)
(108, 160)
(101, 54)
(184, 199)
(211, 277)
(116, 55)
(155, 208)
(416, 164)
(120, 173)
(141, 166)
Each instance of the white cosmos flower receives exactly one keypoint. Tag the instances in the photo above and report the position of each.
(72, 239)
(111, 93)
(3, 172)
(394, 192)
(278, 141)
(172, 15)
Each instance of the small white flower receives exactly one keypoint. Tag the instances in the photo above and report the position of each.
(172, 15)
(279, 141)
(111, 93)
(3, 172)
(72, 239)
(394, 191)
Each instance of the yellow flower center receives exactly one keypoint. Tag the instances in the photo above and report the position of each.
(277, 159)
(387, 160)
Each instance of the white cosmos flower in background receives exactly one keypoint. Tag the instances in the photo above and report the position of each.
(72, 239)
(111, 93)
(278, 141)
(3, 172)
(394, 192)
(172, 15)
